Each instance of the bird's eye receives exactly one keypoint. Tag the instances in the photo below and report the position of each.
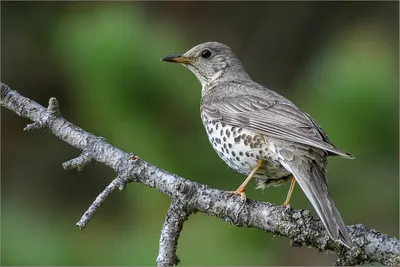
(206, 53)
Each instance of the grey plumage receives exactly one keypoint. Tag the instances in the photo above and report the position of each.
(247, 122)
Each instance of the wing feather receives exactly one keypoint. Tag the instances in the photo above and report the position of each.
(279, 119)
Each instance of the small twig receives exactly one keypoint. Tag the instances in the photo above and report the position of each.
(116, 183)
(52, 112)
(37, 125)
(79, 162)
(170, 232)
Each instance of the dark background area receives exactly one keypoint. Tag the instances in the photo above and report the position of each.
(338, 61)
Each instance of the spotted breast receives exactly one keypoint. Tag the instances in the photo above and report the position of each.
(241, 149)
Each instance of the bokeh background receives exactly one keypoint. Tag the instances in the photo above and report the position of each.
(337, 61)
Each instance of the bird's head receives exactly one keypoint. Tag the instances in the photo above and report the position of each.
(211, 62)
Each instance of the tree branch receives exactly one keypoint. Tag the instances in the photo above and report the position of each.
(170, 232)
(116, 183)
(298, 226)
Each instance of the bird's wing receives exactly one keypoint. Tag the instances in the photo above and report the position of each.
(275, 118)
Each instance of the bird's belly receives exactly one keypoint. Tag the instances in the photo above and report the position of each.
(242, 149)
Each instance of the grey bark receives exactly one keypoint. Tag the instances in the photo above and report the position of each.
(187, 197)
(170, 232)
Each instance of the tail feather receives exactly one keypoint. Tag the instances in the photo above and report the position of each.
(311, 179)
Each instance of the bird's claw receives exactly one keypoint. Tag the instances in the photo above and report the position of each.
(241, 193)
(238, 192)
(286, 205)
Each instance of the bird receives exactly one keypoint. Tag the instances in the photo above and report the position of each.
(260, 133)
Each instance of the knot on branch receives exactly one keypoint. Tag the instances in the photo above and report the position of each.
(124, 167)
(182, 188)
(51, 113)
(133, 157)
(183, 192)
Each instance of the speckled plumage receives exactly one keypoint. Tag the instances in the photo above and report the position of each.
(247, 122)
(241, 149)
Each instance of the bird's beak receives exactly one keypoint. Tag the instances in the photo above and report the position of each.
(177, 58)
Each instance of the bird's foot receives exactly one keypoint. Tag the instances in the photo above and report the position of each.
(286, 204)
(240, 192)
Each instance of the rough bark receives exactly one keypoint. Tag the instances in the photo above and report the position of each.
(187, 197)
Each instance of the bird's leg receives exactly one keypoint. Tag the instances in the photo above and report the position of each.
(289, 194)
(242, 188)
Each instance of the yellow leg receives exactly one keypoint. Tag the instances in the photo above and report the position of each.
(242, 188)
(289, 194)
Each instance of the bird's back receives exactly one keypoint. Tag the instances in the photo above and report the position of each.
(273, 114)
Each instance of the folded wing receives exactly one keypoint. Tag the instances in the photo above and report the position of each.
(273, 118)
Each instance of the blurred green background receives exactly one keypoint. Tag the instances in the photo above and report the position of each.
(338, 61)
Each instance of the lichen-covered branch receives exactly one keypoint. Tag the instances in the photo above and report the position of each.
(298, 226)
(170, 232)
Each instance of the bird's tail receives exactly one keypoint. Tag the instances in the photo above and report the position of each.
(311, 178)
